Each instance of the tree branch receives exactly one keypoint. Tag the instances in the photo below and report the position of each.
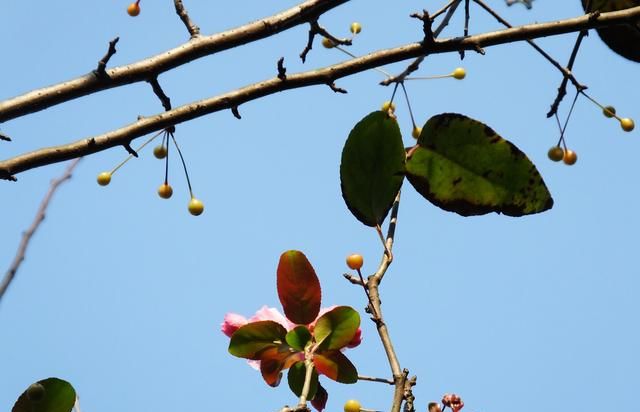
(194, 30)
(322, 76)
(28, 234)
(143, 70)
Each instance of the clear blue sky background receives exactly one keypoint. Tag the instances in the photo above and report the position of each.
(122, 293)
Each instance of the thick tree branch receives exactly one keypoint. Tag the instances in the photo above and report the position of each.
(146, 69)
(322, 76)
(28, 234)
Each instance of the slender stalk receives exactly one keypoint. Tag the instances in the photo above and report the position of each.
(307, 383)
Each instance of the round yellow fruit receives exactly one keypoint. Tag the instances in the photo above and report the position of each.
(355, 27)
(388, 106)
(556, 153)
(627, 124)
(355, 261)
(352, 405)
(160, 151)
(570, 157)
(134, 9)
(327, 43)
(196, 207)
(416, 132)
(104, 178)
(459, 73)
(165, 191)
(609, 111)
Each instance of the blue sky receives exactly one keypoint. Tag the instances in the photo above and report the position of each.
(122, 293)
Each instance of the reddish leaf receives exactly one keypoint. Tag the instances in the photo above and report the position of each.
(334, 365)
(274, 360)
(253, 338)
(298, 288)
(320, 400)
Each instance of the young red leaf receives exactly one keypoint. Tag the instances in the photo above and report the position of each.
(334, 365)
(253, 338)
(320, 400)
(274, 360)
(337, 328)
(298, 288)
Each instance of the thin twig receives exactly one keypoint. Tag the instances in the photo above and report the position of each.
(372, 379)
(314, 29)
(415, 65)
(193, 110)
(282, 71)
(102, 64)
(194, 30)
(157, 89)
(28, 234)
(566, 73)
(466, 24)
(562, 89)
(4, 137)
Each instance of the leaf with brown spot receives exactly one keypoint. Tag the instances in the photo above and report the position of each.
(463, 166)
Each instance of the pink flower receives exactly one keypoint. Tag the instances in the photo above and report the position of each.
(453, 401)
(232, 322)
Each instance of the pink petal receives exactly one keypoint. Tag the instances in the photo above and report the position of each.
(232, 322)
(267, 313)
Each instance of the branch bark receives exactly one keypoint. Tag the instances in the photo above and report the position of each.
(143, 70)
(327, 75)
(28, 234)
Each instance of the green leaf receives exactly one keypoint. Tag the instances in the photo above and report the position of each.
(334, 365)
(253, 338)
(298, 337)
(47, 395)
(336, 328)
(298, 287)
(296, 380)
(463, 166)
(372, 167)
(623, 39)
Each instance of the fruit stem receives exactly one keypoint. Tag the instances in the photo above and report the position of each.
(137, 150)
(599, 105)
(184, 165)
(440, 76)
(348, 53)
(166, 160)
(406, 97)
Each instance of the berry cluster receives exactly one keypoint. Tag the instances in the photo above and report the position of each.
(165, 191)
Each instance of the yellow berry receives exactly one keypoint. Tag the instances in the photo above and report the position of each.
(352, 405)
(416, 132)
(160, 151)
(196, 207)
(627, 124)
(104, 178)
(133, 9)
(609, 111)
(556, 153)
(327, 43)
(165, 191)
(388, 106)
(355, 27)
(570, 157)
(459, 73)
(355, 261)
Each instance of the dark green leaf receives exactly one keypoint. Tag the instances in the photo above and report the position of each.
(48, 395)
(336, 328)
(296, 380)
(298, 337)
(623, 39)
(320, 400)
(251, 339)
(298, 287)
(372, 167)
(334, 365)
(463, 166)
